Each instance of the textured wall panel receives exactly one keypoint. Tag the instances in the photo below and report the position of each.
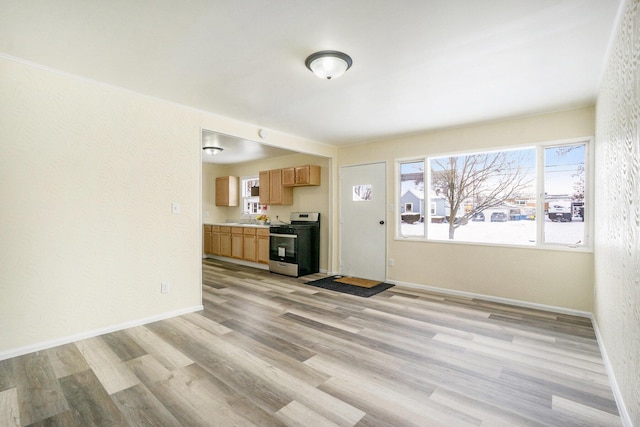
(617, 244)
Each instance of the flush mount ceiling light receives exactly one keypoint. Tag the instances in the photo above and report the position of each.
(328, 64)
(213, 151)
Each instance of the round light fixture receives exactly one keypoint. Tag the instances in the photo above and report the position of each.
(328, 64)
(213, 151)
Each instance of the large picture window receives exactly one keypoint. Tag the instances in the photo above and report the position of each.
(531, 196)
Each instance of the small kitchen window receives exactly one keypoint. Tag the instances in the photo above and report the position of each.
(250, 203)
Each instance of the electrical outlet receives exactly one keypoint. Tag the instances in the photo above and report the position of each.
(392, 262)
(164, 288)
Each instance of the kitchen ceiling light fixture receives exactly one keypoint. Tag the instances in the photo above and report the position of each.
(328, 64)
(213, 151)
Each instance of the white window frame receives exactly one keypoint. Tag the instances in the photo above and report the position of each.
(248, 198)
(586, 246)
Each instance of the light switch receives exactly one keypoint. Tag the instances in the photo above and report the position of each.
(175, 208)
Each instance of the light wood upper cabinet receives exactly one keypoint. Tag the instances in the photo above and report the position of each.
(227, 191)
(300, 176)
(272, 192)
(289, 177)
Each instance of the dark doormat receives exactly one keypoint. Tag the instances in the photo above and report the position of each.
(333, 284)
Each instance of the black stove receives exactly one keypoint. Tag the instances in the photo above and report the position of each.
(294, 249)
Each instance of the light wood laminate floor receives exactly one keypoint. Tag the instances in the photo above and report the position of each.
(268, 350)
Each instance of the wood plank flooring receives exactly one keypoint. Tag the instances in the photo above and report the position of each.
(268, 350)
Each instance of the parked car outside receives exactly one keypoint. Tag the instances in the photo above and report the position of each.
(499, 217)
(478, 216)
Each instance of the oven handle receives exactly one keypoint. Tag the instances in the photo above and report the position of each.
(292, 236)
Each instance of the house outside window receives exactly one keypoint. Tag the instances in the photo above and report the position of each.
(412, 194)
(532, 196)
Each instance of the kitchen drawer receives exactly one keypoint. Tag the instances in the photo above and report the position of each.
(236, 230)
(249, 230)
(226, 230)
(207, 228)
(262, 231)
(215, 228)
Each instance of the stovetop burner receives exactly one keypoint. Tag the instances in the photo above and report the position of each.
(299, 220)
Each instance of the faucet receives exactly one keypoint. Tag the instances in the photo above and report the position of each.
(249, 219)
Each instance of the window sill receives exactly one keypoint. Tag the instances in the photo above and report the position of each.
(547, 247)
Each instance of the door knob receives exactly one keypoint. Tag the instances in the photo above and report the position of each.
(382, 222)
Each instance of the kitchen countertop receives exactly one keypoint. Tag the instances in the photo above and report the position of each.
(237, 224)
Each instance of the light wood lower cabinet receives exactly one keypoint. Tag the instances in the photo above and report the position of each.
(236, 242)
(246, 243)
(215, 240)
(249, 244)
(206, 244)
(262, 235)
(225, 241)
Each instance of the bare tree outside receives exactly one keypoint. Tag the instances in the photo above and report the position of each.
(486, 180)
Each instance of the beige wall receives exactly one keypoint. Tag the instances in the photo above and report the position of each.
(305, 199)
(617, 244)
(88, 173)
(88, 177)
(549, 277)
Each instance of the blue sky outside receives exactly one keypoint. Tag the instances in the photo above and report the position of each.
(561, 166)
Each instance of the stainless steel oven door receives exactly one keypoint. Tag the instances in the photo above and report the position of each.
(283, 248)
(283, 254)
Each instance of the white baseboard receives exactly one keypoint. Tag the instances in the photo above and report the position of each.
(617, 394)
(519, 303)
(8, 354)
(238, 261)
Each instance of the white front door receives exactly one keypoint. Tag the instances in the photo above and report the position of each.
(363, 242)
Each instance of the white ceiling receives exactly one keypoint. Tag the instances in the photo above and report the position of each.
(237, 150)
(417, 64)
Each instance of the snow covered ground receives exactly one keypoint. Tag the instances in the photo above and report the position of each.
(510, 232)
